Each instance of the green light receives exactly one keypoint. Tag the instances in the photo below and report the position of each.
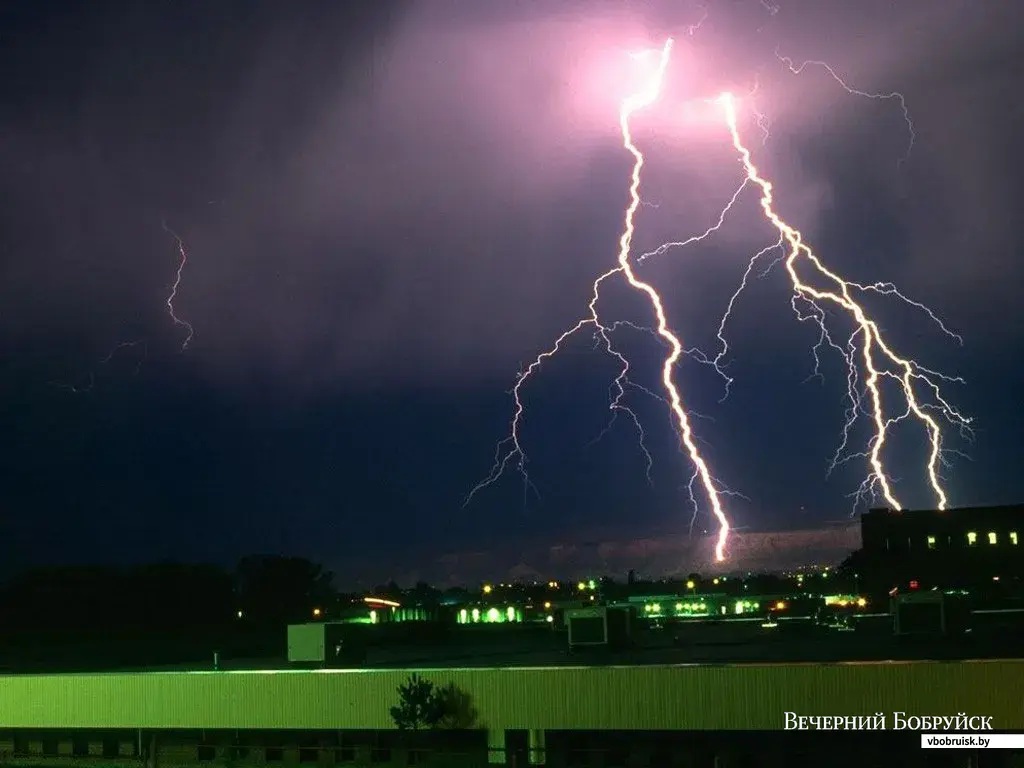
(373, 617)
(679, 606)
(463, 615)
(476, 615)
(591, 584)
(510, 612)
(493, 615)
(656, 608)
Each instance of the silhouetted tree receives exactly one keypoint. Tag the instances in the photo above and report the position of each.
(457, 594)
(391, 591)
(154, 614)
(456, 708)
(422, 705)
(424, 594)
(278, 590)
(419, 705)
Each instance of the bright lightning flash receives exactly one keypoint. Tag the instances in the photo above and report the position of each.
(510, 450)
(879, 359)
(177, 284)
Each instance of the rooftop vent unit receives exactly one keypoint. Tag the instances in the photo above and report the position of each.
(599, 627)
(325, 644)
(929, 613)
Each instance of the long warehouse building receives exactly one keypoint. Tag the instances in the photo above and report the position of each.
(655, 715)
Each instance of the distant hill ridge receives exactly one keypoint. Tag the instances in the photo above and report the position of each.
(651, 557)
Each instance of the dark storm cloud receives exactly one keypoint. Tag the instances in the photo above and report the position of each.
(443, 210)
(955, 200)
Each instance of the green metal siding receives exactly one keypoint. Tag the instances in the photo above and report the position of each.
(677, 697)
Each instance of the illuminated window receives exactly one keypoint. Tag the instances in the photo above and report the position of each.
(931, 542)
(972, 538)
(992, 538)
(1013, 538)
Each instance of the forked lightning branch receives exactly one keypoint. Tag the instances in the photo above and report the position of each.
(914, 393)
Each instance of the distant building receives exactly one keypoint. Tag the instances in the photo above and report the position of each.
(954, 547)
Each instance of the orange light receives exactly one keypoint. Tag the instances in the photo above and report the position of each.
(380, 601)
(780, 606)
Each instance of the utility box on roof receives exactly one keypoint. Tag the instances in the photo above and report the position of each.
(315, 643)
(599, 627)
(929, 613)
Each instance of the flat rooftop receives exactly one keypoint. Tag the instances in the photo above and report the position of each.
(794, 641)
(788, 643)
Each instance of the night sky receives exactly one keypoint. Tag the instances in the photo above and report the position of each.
(389, 209)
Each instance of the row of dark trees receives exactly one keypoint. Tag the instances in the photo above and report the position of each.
(101, 617)
(265, 589)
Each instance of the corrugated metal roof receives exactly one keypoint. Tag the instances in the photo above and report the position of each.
(688, 697)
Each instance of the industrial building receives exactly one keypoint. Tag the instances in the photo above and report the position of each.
(964, 547)
(607, 715)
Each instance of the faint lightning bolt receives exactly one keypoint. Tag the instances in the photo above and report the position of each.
(617, 392)
(82, 389)
(694, 28)
(510, 450)
(718, 362)
(177, 284)
(891, 96)
(696, 238)
(867, 341)
(762, 119)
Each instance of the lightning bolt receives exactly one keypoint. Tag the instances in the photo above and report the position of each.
(879, 359)
(896, 96)
(694, 28)
(617, 392)
(141, 343)
(80, 389)
(176, 285)
(510, 450)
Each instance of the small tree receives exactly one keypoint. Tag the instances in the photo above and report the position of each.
(423, 705)
(419, 705)
(455, 707)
